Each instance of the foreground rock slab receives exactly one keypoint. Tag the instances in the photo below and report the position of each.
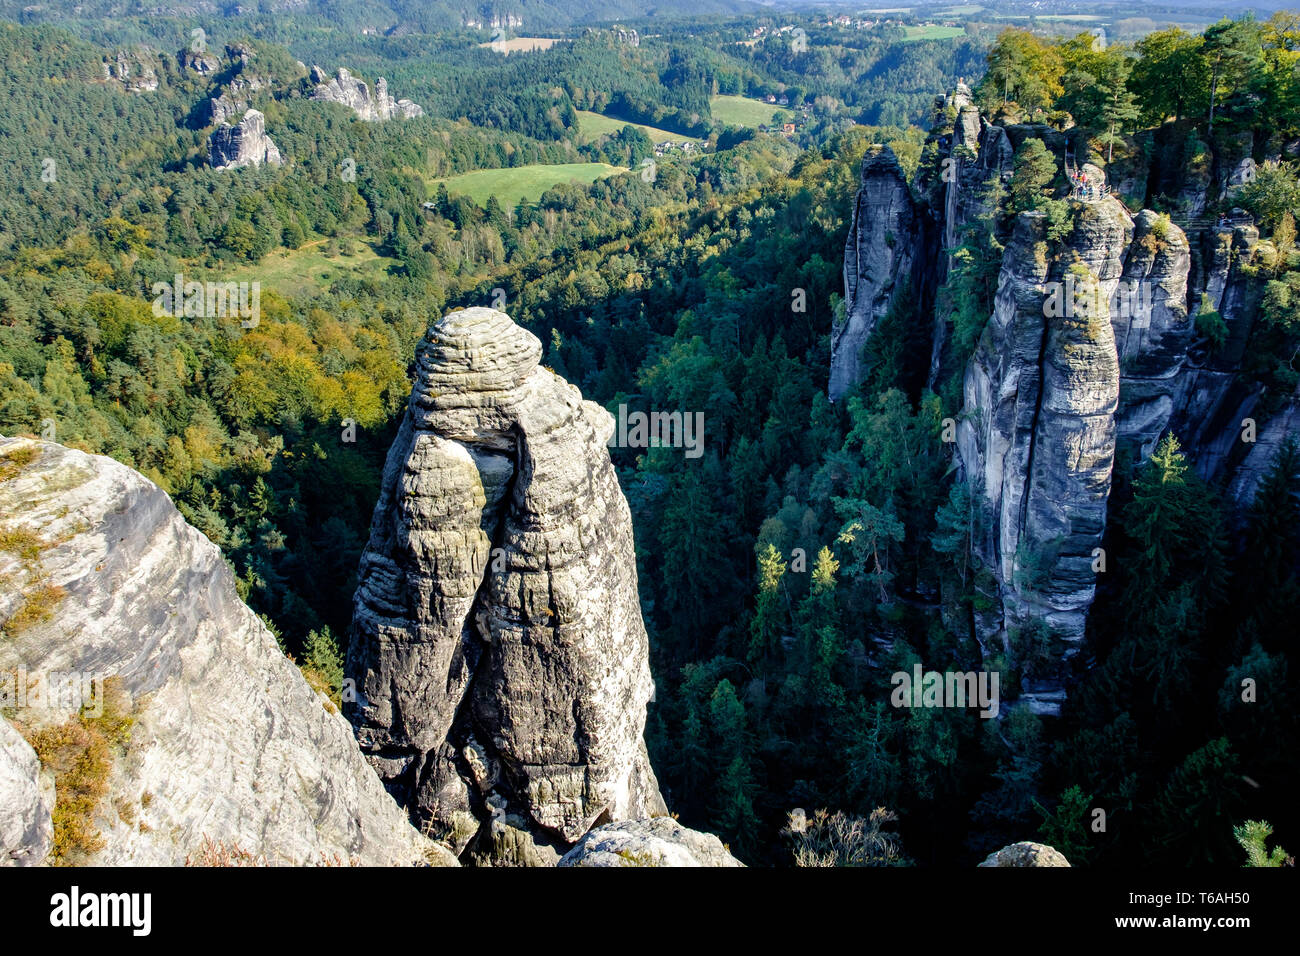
(229, 745)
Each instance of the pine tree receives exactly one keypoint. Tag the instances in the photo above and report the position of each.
(1253, 836)
(1177, 536)
(771, 611)
(1066, 828)
(1035, 168)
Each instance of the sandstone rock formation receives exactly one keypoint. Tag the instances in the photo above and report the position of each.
(661, 841)
(197, 61)
(234, 99)
(1211, 401)
(981, 159)
(136, 71)
(229, 743)
(231, 147)
(1026, 854)
(499, 658)
(878, 260)
(1090, 348)
(1259, 456)
(1037, 433)
(355, 94)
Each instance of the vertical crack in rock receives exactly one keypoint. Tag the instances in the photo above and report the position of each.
(1152, 329)
(497, 648)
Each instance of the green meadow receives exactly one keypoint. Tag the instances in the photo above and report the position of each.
(742, 111)
(595, 125)
(523, 183)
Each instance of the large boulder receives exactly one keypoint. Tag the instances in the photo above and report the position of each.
(1026, 854)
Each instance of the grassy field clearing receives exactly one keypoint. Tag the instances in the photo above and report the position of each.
(595, 125)
(307, 269)
(932, 33)
(742, 111)
(526, 183)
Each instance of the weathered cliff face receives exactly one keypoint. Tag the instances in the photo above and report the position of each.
(1152, 329)
(497, 648)
(1211, 400)
(1037, 433)
(878, 261)
(976, 161)
(1259, 455)
(229, 744)
(355, 94)
(230, 147)
(1091, 349)
(981, 160)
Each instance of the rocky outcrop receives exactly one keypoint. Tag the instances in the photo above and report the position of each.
(229, 744)
(661, 841)
(1026, 854)
(1037, 434)
(503, 20)
(878, 261)
(355, 95)
(231, 147)
(975, 161)
(982, 159)
(26, 802)
(135, 71)
(1092, 350)
(497, 649)
(234, 99)
(198, 61)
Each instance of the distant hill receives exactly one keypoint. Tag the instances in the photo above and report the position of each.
(385, 16)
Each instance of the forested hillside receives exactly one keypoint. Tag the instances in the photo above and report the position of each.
(815, 548)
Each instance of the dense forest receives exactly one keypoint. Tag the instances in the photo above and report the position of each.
(815, 547)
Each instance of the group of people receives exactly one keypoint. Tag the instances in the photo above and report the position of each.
(1084, 188)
